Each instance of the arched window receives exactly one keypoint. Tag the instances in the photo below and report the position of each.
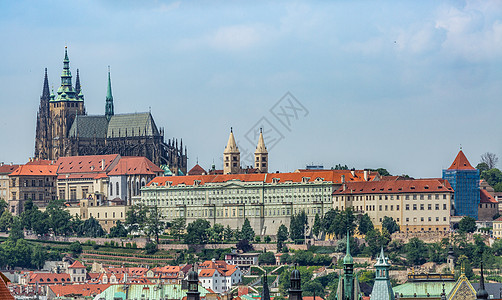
(117, 188)
(111, 189)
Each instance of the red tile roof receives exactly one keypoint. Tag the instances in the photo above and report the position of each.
(197, 170)
(334, 176)
(429, 185)
(49, 278)
(4, 291)
(37, 161)
(207, 272)
(461, 163)
(85, 290)
(86, 164)
(7, 169)
(485, 197)
(35, 170)
(77, 265)
(132, 165)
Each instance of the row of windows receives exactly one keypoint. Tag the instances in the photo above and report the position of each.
(396, 197)
(429, 206)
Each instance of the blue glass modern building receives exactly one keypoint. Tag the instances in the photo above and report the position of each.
(464, 180)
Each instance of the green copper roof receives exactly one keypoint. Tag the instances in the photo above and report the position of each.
(65, 91)
(109, 98)
(348, 258)
(137, 124)
(421, 289)
(147, 291)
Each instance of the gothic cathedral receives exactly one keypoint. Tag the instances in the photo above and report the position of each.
(65, 129)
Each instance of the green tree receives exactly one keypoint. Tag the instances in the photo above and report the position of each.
(328, 220)
(298, 226)
(244, 245)
(40, 222)
(467, 224)
(390, 224)
(267, 239)
(482, 167)
(267, 258)
(150, 247)
(492, 176)
(3, 206)
(376, 240)
(136, 217)
(92, 228)
(118, 230)
(154, 225)
(16, 230)
(38, 257)
(228, 234)
(22, 253)
(197, 232)
(282, 236)
(490, 159)
(76, 248)
(381, 171)
(216, 235)
(5, 221)
(365, 224)
(341, 167)
(416, 251)
(59, 218)
(178, 226)
(247, 232)
(27, 214)
(317, 227)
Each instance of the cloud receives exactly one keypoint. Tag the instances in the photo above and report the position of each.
(237, 37)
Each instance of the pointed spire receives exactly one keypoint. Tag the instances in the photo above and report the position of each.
(260, 148)
(482, 294)
(46, 92)
(348, 258)
(231, 145)
(109, 98)
(77, 83)
(461, 163)
(66, 91)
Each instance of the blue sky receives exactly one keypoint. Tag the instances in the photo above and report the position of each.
(399, 85)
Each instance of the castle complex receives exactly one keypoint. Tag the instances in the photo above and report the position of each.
(65, 129)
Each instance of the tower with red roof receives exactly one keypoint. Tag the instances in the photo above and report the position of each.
(464, 180)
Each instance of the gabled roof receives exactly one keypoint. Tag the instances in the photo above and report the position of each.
(49, 278)
(485, 197)
(197, 170)
(207, 272)
(35, 170)
(72, 290)
(334, 176)
(86, 163)
(135, 124)
(135, 165)
(7, 169)
(76, 265)
(4, 291)
(89, 127)
(428, 185)
(461, 163)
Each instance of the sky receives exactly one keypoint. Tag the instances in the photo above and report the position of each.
(395, 84)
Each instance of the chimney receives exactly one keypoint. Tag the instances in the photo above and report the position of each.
(344, 186)
(11, 163)
(102, 164)
(353, 172)
(92, 168)
(343, 178)
(365, 175)
(1, 164)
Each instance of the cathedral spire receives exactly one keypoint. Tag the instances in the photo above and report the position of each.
(482, 294)
(66, 91)
(109, 98)
(231, 156)
(77, 84)
(46, 92)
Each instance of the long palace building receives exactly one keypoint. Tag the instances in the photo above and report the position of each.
(266, 199)
(65, 129)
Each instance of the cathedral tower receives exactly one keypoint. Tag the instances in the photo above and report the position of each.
(109, 99)
(231, 156)
(261, 155)
(63, 110)
(43, 133)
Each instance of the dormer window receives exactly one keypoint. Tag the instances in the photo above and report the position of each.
(305, 179)
(275, 180)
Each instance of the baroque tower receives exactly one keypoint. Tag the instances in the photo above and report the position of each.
(295, 289)
(261, 155)
(382, 289)
(193, 285)
(348, 286)
(63, 110)
(231, 156)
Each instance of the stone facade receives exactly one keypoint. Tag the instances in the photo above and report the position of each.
(267, 200)
(416, 205)
(64, 129)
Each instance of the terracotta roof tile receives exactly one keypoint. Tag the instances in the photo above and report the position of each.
(35, 170)
(7, 169)
(430, 185)
(485, 197)
(77, 265)
(86, 163)
(461, 163)
(197, 170)
(4, 291)
(130, 165)
(49, 278)
(334, 176)
(85, 290)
